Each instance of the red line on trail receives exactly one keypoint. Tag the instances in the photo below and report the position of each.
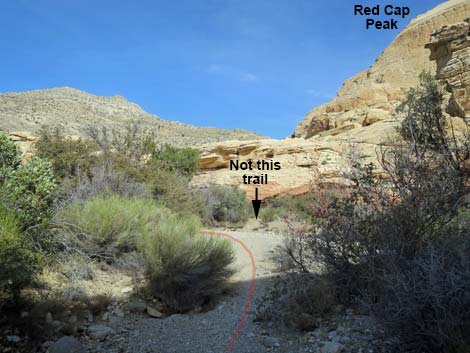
(252, 285)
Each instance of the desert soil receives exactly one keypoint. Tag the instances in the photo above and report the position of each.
(211, 331)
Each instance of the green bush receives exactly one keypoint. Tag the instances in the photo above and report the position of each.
(106, 225)
(18, 264)
(270, 214)
(10, 154)
(186, 270)
(68, 156)
(181, 160)
(135, 152)
(423, 120)
(29, 191)
(299, 206)
(224, 205)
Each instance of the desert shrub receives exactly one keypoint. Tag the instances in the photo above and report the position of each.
(185, 269)
(270, 214)
(133, 143)
(10, 155)
(180, 160)
(103, 179)
(399, 245)
(297, 300)
(18, 264)
(105, 226)
(223, 205)
(128, 150)
(425, 300)
(173, 191)
(30, 190)
(68, 156)
(135, 155)
(297, 206)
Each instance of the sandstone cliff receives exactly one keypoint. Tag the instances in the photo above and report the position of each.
(450, 48)
(361, 118)
(74, 110)
(372, 94)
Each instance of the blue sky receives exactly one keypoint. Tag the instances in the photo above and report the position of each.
(253, 64)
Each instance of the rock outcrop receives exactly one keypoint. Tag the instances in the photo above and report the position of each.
(25, 140)
(304, 162)
(450, 48)
(372, 95)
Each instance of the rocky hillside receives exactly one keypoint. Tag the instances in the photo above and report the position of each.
(372, 94)
(361, 118)
(74, 110)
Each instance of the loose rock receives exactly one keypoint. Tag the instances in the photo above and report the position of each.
(99, 331)
(67, 344)
(332, 347)
(153, 312)
(137, 307)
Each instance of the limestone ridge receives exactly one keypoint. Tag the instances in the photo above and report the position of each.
(74, 110)
(450, 48)
(372, 95)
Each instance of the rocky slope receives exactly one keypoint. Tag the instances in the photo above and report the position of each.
(74, 110)
(361, 118)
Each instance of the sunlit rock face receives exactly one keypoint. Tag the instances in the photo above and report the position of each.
(373, 94)
(361, 119)
(450, 48)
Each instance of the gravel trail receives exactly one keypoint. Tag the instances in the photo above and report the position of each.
(210, 332)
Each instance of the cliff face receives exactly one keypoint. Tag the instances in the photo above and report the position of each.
(450, 48)
(372, 95)
(361, 118)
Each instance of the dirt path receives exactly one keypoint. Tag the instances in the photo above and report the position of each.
(211, 332)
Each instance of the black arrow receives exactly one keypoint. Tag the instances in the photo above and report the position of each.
(256, 203)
